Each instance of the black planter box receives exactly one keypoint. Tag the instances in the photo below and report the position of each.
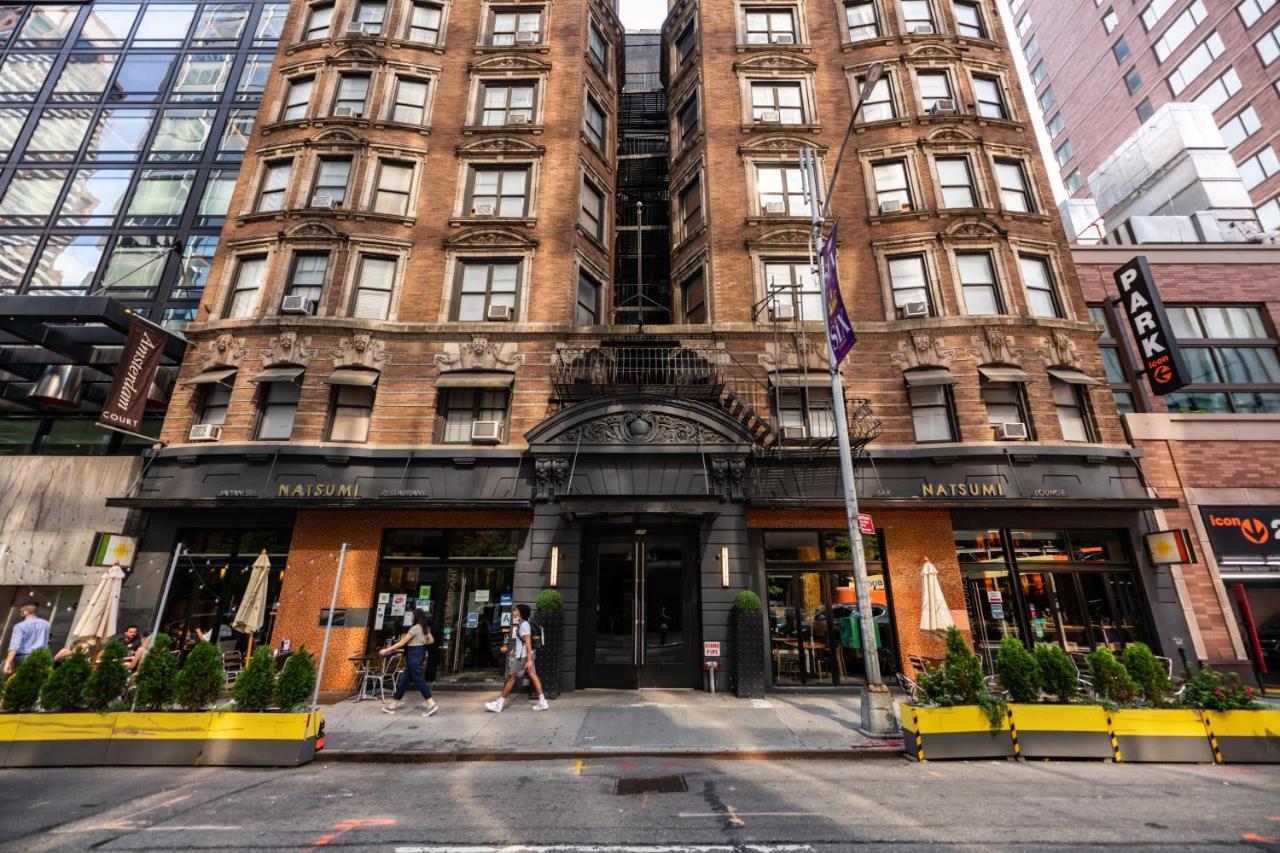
(550, 652)
(748, 655)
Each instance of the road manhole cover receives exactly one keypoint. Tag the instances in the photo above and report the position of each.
(651, 785)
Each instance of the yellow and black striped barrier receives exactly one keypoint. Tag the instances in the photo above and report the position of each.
(1166, 735)
(1244, 737)
(1060, 731)
(962, 731)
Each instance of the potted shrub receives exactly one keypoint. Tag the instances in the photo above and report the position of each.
(550, 621)
(1240, 729)
(957, 715)
(1145, 733)
(748, 645)
(1042, 729)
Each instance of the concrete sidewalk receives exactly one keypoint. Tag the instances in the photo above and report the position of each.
(598, 723)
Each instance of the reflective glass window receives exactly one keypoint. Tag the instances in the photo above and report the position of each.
(58, 130)
(137, 262)
(253, 79)
(164, 24)
(86, 74)
(22, 75)
(221, 23)
(32, 194)
(120, 134)
(193, 271)
(202, 76)
(48, 24)
(217, 194)
(235, 136)
(182, 134)
(11, 122)
(95, 197)
(16, 252)
(271, 23)
(160, 193)
(108, 24)
(142, 76)
(68, 263)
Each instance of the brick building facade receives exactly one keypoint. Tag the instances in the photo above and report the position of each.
(470, 457)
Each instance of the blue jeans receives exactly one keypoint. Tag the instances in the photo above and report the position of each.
(414, 658)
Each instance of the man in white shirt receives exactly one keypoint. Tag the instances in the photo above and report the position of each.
(519, 660)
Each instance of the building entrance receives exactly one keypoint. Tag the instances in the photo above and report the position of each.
(639, 624)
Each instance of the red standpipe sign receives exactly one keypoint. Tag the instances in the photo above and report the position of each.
(127, 397)
(866, 525)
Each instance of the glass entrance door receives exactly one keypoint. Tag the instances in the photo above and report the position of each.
(642, 588)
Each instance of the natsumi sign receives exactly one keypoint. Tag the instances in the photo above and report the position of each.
(1140, 300)
(127, 397)
(839, 330)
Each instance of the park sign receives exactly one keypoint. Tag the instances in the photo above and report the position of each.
(1140, 300)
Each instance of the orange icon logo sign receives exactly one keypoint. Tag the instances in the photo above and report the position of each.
(1254, 530)
(1163, 374)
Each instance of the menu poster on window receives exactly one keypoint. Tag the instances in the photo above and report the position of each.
(482, 596)
(424, 592)
(398, 602)
(473, 621)
(378, 618)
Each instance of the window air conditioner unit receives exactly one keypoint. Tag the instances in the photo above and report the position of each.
(784, 311)
(499, 313)
(323, 201)
(922, 30)
(769, 117)
(298, 305)
(945, 106)
(484, 210)
(1011, 432)
(892, 206)
(347, 112)
(356, 28)
(784, 38)
(486, 432)
(775, 207)
(794, 433)
(913, 309)
(204, 432)
(528, 37)
(517, 118)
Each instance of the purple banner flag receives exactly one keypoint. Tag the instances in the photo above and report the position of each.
(839, 330)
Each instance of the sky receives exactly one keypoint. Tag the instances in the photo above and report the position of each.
(642, 14)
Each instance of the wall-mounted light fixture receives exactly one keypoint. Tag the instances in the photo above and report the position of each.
(724, 566)
(555, 565)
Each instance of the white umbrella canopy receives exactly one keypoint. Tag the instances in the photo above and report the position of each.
(97, 621)
(253, 607)
(935, 616)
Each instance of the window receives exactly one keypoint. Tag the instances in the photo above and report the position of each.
(1120, 50)
(461, 408)
(393, 187)
(1269, 215)
(375, 279)
(507, 103)
(409, 106)
(221, 22)
(1073, 417)
(1110, 21)
(253, 79)
(1132, 80)
(1023, 25)
(978, 286)
(879, 104)
(956, 181)
(217, 196)
(1154, 11)
(58, 131)
(32, 195)
(777, 102)
(934, 86)
(319, 19)
(1112, 362)
(11, 122)
(22, 76)
(164, 24)
(297, 102)
(1240, 127)
(1232, 358)
(1195, 63)
(271, 25)
(371, 13)
(1251, 10)
(686, 43)
(687, 119)
(690, 200)
(499, 191)
(598, 48)
(275, 183)
(1031, 48)
(592, 211)
(1259, 167)
(160, 197)
(909, 282)
(892, 190)
(1042, 296)
(137, 263)
(1269, 46)
(51, 24)
(202, 76)
(67, 264)
(245, 287)
(1063, 152)
(1055, 125)
(1006, 403)
(808, 409)
(306, 275)
(1014, 194)
(931, 408)
(424, 23)
(1047, 98)
(1074, 181)
(587, 311)
(969, 19)
(1180, 30)
(351, 412)
(331, 180)
(213, 404)
(593, 123)
(182, 134)
(514, 26)
(792, 284)
(353, 90)
(484, 285)
(1221, 90)
(860, 20)
(85, 73)
(774, 25)
(693, 299)
(1145, 110)
(917, 17)
(990, 95)
(277, 406)
(1039, 73)
(780, 192)
(235, 136)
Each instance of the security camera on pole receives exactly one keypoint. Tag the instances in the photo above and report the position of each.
(877, 704)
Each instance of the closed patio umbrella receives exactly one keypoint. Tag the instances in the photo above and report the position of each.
(97, 621)
(935, 617)
(253, 607)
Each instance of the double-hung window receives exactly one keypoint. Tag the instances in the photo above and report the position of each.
(693, 298)
(353, 92)
(780, 191)
(214, 404)
(375, 280)
(909, 282)
(598, 48)
(1005, 403)
(587, 310)
(246, 286)
(277, 407)
(393, 187)
(1042, 295)
(319, 20)
(978, 287)
(893, 192)
(1014, 193)
(1073, 410)
(372, 14)
(990, 96)
(771, 25)
(499, 191)
(424, 23)
(917, 16)
(956, 182)
(935, 86)
(690, 201)
(331, 180)
(297, 101)
(274, 186)
(791, 285)
(593, 123)
(461, 408)
(506, 103)
(969, 19)
(860, 20)
(879, 103)
(781, 103)
(409, 106)
(306, 275)
(515, 26)
(351, 410)
(687, 119)
(806, 409)
(483, 285)
(592, 210)
(932, 409)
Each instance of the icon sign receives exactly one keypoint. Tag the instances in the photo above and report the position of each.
(711, 650)
(1254, 530)
(866, 525)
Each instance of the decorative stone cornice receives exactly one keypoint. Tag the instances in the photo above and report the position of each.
(224, 349)
(287, 348)
(922, 350)
(360, 350)
(479, 354)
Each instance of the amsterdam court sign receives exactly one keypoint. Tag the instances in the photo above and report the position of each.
(1140, 300)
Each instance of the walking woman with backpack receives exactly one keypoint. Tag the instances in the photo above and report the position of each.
(414, 643)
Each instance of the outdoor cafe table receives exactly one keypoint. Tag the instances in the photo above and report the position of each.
(365, 667)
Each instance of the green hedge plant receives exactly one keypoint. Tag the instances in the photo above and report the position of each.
(1018, 671)
(1148, 673)
(1111, 681)
(255, 687)
(297, 681)
(960, 682)
(157, 676)
(201, 680)
(1210, 690)
(747, 602)
(23, 690)
(1058, 675)
(109, 678)
(63, 692)
(549, 601)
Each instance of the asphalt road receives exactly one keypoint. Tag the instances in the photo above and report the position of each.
(573, 807)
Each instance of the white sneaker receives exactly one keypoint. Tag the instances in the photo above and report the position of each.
(495, 706)
(541, 704)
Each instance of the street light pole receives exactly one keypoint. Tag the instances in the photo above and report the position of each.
(877, 712)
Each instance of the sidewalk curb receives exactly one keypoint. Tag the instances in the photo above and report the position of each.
(363, 756)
